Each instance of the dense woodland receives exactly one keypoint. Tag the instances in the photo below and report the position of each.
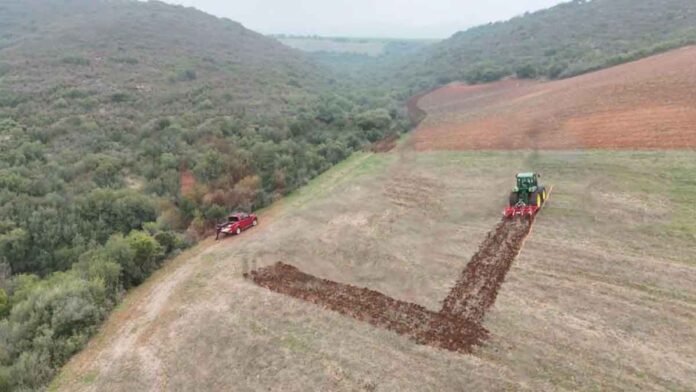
(127, 129)
(104, 107)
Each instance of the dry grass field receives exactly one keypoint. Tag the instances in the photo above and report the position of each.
(601, 297)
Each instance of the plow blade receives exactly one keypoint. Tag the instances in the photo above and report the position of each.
(522, 211)
(525, 211)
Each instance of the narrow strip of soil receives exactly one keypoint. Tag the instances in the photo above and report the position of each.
(477, 287)
(423, 326)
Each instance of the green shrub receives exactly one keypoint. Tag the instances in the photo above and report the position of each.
(120, 97)
(125, 60)
(76, 60)
(4, 304)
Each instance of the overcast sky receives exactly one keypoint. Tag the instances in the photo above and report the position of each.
(366, 18)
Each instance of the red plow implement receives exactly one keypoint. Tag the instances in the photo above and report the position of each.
(525, 211)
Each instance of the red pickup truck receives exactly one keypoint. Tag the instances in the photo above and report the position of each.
(236, 223)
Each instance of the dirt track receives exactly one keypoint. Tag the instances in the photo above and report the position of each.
(457, 327)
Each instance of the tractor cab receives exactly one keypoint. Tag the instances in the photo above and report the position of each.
(527, 182)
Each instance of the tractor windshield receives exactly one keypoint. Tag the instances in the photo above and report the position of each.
(524, 182)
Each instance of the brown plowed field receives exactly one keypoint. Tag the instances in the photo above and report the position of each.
(415, 321)
(457, 327)
(647, 104)
(477, 288)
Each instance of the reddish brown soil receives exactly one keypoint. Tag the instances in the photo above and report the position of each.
(415, 321)
(477, 287)
(385, 145)
(647, 104)
(457, 327)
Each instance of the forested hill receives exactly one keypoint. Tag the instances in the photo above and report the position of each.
(75, 55)
(121, 95)
(127, 129)
(566, 40)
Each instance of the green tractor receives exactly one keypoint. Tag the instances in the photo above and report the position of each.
(527, 197)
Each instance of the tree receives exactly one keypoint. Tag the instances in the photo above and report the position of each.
(147, 254)
(375, 119)
(4, 304)
(209, 168)
(526, 71)
(14, 248)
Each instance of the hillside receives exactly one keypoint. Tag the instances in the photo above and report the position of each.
(107, 95)
(566, 40)
(600, 297)
(356, 59)
(124, 55)
(647, 104)
(127, 129)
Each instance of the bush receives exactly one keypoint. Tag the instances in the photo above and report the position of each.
(48, 324)
(4, 304)
(375, 119)
(526, 71)
(147, 254)
(76, 60)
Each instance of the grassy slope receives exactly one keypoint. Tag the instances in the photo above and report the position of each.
(599, 299)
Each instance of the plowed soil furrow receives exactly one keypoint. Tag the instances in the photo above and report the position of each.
(422, 325)
(457, 327)
(478, 285)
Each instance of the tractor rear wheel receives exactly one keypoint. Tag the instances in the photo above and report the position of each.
(514, 198)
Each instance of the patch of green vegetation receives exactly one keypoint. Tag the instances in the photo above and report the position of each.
(75, 60)
(293, 343)
(89, 378)
(682, 192)
(125, 60)
(357, 165)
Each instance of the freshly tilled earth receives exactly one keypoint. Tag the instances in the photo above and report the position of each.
(415, 321)
(457, 327)
(477, 287)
